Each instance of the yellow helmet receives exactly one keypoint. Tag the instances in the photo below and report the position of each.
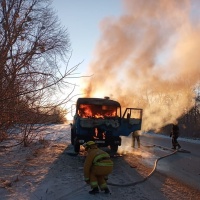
(88, 144)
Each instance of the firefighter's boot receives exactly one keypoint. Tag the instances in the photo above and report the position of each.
(107, 191)
(94, 190)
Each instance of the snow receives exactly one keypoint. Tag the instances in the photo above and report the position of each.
(48, 169)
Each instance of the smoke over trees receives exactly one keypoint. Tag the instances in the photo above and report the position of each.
(148, 58)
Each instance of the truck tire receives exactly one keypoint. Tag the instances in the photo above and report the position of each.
(114, 148)
(72, 137)
(76, 146)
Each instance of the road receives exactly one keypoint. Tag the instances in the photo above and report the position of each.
(184, 165)
(52, 171)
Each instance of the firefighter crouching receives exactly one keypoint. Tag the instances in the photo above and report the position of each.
(97, 167)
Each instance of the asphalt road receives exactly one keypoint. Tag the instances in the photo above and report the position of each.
(184, 165)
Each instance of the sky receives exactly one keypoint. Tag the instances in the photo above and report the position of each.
(141, 53)
(82, 19)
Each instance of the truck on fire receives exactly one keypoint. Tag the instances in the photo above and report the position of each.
(101, 120)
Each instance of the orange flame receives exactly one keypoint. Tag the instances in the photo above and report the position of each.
(86, 111)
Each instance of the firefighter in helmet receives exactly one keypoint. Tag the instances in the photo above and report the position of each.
(175, 134)
(135, 137)
(97, 167)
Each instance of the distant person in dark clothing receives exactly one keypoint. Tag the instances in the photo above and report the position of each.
(174, 135)
(135, 137)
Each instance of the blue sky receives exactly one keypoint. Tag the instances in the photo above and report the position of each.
(82, 18)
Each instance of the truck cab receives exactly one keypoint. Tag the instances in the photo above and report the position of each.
(101, 120)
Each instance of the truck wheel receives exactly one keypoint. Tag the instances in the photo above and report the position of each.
(114, 148)
(76, 146)
(72, 137)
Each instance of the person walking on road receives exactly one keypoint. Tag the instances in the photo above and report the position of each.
(135, 137)
(174, 135)
(97, 167)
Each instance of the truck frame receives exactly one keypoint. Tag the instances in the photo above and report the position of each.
(101, 120)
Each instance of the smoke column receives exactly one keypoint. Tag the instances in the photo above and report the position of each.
(149, 58)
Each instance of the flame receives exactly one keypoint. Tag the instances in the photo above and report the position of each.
(86, 111)
(96, 132)
(99, 134)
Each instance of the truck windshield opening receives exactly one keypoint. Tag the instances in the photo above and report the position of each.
(97, 111)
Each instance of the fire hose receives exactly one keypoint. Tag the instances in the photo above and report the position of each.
(133, 183)
(148, 176)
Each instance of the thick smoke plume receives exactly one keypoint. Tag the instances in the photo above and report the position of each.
(149, 58)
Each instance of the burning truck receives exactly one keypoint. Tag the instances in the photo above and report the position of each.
(101, 120)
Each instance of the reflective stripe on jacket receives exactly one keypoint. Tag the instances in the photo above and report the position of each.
(96, 157)
(102, 159)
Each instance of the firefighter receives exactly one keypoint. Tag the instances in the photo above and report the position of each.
(97, 167)
(174, 135)
(135, 137)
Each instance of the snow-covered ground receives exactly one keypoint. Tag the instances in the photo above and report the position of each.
(49, 170)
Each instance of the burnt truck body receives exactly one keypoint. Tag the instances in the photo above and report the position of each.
(101, 120)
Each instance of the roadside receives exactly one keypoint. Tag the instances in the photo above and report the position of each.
(184, 165)
(51, 171)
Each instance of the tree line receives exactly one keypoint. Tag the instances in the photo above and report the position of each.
(189, 122)
(33, 46)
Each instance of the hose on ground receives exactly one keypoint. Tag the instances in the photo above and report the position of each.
(144, 179)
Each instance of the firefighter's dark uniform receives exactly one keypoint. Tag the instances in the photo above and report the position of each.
(97, 166)
(135, 137)
(175, 134)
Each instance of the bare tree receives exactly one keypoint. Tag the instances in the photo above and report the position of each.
(33, 45)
